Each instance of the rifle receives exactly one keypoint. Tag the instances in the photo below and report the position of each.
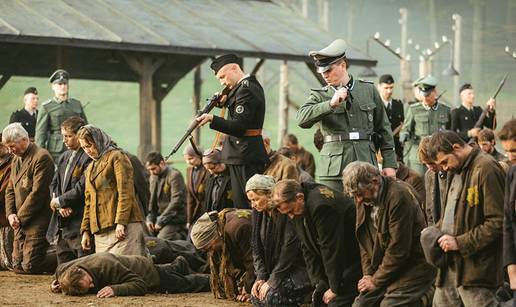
(214, 101)
(480, 120)
(194, 146)
(440, 95)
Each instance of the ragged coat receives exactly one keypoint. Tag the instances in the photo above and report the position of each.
(478, 222)
(393, 255)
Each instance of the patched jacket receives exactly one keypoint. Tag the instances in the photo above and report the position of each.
(109, 196)
(478, 222)
(28, 191)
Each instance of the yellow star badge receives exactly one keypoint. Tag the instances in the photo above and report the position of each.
(327, 193)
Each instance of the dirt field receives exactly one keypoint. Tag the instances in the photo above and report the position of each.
(33, 290)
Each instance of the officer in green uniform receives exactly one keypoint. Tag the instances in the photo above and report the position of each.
(54, 112)
(351, 117)
(423, 118)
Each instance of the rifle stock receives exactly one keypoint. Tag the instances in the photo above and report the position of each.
(214, 101)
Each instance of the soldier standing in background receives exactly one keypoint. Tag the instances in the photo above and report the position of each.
(53, 112)
(28, 115)
(465, 117)
(423, 118)
(394, 110)
(351, 116)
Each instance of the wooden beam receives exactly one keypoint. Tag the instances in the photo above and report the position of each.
(283, 102)
(150, 107)
(196, 99)
(317, 75)
(257, 66)
(4, 79)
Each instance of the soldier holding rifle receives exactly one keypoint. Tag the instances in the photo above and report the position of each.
(243, 151)
(464, 118)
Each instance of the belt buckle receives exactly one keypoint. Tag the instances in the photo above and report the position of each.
(354, 135)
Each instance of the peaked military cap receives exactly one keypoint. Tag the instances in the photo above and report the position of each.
(59, 76)
(426, 84)
(388, 79)
(31, 90)
(465, 86)
(329, 55)
(222, 60)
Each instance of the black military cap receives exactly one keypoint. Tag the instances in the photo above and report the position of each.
(388, 79)
(465, 86)
(329, 55)
(59, 76)
(222, 60)
(31, 90)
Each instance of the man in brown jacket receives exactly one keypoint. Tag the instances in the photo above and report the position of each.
(389, 223)
(27, 200)
(280, 167)
(304, 158)
(471, 220)
(196, 176)
(108, 275)
(6, 232)
(166, 217)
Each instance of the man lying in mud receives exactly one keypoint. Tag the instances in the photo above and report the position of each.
(110, 275)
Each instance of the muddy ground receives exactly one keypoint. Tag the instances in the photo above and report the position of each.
(34, 290)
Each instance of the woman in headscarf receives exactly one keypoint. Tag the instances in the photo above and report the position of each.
(281, 277)
(111, 211)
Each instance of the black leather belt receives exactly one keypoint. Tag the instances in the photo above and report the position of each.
(352, 136)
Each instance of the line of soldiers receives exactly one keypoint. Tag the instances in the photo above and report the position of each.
(361, 231)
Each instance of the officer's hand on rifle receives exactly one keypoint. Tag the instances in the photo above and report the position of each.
(472, 133)
(339, 96)
(203, 119)
(491, 104)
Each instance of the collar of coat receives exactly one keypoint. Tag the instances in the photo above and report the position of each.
(242, 82)
(474, 152)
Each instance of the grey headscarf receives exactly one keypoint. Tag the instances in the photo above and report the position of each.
(102, 140)
(204, 230)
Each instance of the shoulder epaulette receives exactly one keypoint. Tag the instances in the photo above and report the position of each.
(366, 81)
(322, 89)
(415, 105)
(46, 102)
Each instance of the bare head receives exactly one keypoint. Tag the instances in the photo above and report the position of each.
(16, 138)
